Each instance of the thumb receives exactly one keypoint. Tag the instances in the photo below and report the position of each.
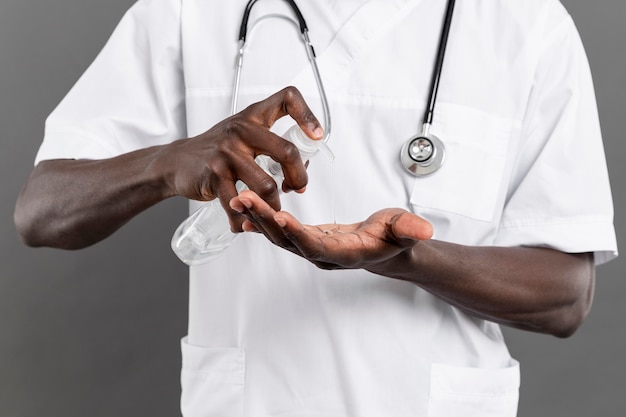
(410, 226)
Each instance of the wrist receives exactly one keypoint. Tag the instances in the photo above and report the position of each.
(408, 265)
(161, 169)
(416, 263)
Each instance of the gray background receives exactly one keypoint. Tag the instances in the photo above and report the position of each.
(96, 332)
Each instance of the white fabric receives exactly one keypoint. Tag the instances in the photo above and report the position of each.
(271, 335)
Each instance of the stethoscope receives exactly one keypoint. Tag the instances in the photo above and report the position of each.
(422, 154)
(310, 51)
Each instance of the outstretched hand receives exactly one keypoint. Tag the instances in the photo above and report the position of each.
(368, 244)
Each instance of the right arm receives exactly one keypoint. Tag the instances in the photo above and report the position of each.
(72, 204)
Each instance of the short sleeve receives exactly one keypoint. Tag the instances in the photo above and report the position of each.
(560, 195)
(131, 96)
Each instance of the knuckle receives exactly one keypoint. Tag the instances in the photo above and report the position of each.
(291, 93)
(216, 167)
(266, 188)
(233, 127)
(216, 173)
(291, 154)
(309, 117)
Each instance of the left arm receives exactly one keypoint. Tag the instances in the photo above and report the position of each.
(536, 289)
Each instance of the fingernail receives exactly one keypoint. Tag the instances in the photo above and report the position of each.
(236, 208)
(245, 202)
(248, 227)
(280, 221)
(318, 132)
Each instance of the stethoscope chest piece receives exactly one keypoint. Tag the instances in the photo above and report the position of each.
(423, 154)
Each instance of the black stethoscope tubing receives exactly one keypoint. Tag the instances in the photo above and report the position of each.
(243, 30)
(441, 53)
(422, 154)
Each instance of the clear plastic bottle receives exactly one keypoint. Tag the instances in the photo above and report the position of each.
(205, 234)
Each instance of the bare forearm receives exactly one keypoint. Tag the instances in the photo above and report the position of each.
(75, 203)
(535, 289)
(72, 204)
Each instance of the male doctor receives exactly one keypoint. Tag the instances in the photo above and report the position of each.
(394, 311)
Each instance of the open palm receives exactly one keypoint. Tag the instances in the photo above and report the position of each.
(385, 234)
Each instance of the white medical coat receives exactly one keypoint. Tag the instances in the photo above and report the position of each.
(270, 334)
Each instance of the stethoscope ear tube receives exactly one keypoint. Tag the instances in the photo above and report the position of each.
(310, 51)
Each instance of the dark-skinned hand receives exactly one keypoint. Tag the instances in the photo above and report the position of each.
(209, 165)
(369, 244)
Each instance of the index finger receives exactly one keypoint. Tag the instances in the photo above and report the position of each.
(288, 101)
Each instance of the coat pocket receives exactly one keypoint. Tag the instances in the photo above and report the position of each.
(469, 182)
(473, 392)
(212, 381)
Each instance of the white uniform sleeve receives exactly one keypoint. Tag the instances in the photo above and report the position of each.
(560, 195)
(131, 97)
